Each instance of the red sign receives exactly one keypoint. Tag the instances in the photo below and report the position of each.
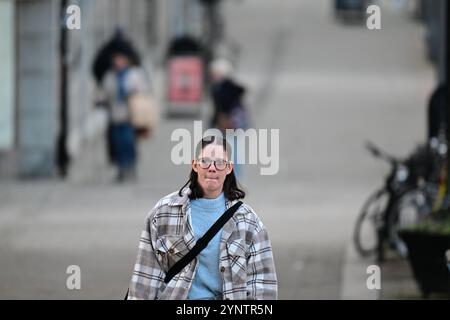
(185, 79)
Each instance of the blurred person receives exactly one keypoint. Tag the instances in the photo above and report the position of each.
(103, 62)
(437, 112)
(238, 261)
(118, 85)
(228, 101)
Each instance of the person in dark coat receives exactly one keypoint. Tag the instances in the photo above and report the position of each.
(228, 100)
(227, 96)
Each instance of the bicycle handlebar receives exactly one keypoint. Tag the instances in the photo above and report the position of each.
(378, 153)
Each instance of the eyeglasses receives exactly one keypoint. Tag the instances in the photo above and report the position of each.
(205, 163)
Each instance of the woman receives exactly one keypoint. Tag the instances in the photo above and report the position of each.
(236, 264)
(119, 84)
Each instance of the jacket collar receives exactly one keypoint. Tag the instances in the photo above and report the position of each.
(183, 200)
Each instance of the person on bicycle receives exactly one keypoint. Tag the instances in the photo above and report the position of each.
(237, 263)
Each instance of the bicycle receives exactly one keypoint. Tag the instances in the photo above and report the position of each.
(374, 225)
(424, 200)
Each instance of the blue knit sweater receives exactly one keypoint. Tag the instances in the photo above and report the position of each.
(207, 281)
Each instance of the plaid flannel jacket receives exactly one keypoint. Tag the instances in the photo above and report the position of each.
(246, 260)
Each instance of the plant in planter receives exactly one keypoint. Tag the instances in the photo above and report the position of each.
(427, 243)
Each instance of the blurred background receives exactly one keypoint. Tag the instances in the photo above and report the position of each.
(311, 68)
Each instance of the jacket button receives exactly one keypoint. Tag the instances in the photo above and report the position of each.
(171, 250)
(222, 269)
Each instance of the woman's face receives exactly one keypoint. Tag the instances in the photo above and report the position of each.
(211, 179)
(120, 61)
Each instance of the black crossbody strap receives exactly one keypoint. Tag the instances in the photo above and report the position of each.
(202, 242)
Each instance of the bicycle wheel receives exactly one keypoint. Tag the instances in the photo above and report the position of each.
(365, 236)
(408, 209)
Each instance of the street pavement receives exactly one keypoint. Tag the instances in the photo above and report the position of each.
(327, 87)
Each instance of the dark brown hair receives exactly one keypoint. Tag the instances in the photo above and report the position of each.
(231, 188)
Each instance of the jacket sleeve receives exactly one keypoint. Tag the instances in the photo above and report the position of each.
(147, 275)
(262, 281)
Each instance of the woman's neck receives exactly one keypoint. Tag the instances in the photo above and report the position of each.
(212, 195)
